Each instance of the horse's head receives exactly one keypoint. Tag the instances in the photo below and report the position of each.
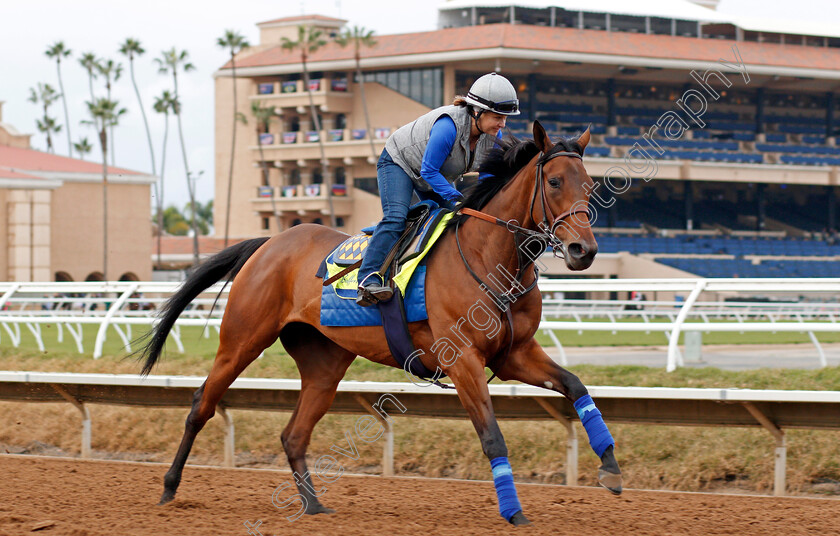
(562, 198)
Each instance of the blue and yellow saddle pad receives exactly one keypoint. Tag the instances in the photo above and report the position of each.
(338, 300)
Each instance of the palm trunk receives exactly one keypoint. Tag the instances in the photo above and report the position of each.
(113, 153)
(160, 196)
(190, 186)
(90, 85)
(64, 103)
(233, 151)
(143, 113)
(365, 106)
(103, 141)
(317, 124)
(267, 181)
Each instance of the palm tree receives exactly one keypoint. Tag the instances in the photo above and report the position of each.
(234, 42)
(163, 105)
(170, 61)
(264, 115)
(132, 48)
(106, 115)
(309, 40)
(83, 147)
(48, 126)
(58, 51)
(46, 96)
(89, 62)
(108, 69)
(360, 37)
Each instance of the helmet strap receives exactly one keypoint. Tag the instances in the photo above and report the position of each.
(477, 115)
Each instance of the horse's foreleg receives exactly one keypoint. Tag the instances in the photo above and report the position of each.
(468, 376)
(530, 364)
(231, 359)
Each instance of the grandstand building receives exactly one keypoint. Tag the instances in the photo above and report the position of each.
(714, 139)
(51, 216)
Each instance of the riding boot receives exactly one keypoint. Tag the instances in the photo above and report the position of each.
(373, 290)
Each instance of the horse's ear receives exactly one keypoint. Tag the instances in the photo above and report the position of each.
(541, 138)
(583, 139)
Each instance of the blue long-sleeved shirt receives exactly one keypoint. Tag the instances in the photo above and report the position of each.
(441, 140)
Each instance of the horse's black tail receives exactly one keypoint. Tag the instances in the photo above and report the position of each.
(227, 262)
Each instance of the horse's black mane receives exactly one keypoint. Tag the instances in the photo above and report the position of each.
(503, 162)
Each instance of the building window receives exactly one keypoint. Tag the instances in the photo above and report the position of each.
(341, 121)
(339, 221)
(266, 224)
(294, 177)
(318, 221)
(367, 184)
(422, 85)
(317, 177)
(340, 176)
(296, 221)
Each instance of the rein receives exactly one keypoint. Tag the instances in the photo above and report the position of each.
(547, 226)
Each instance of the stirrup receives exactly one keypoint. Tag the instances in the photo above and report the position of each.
(372, 293)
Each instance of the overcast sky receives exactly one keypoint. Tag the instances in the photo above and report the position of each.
(99, 26)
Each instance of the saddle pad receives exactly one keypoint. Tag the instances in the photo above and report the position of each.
(338, 300)
(350, 250)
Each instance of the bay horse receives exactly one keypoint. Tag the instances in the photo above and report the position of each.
(274, 293)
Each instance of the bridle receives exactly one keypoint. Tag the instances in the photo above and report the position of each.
(549, 228)
(549, 224)
(545, 235)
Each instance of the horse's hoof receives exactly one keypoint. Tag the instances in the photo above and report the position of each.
(319, 509)
(167, 497)
(611, 481)
(519, 519)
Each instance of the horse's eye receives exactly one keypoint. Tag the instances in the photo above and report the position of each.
(554, 183)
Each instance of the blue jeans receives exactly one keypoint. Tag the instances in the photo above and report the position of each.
(395, 189)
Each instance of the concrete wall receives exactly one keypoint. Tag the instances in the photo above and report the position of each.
(77, 229)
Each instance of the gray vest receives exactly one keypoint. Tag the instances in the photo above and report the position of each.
(408, 144)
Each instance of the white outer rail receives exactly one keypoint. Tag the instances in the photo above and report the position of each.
(24, 307)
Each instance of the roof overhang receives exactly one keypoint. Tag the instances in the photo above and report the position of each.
(28, 184)
(438, 58)
(96, 177)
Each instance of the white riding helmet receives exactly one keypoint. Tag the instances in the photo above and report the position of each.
(495, 93)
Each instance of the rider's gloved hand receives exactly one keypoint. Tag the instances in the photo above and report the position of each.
(450, 204)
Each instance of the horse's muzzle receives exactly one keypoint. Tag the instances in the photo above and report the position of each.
(579, 255)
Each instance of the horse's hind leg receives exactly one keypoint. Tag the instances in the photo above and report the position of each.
(322, 364)
(239, 346)
(530, 364)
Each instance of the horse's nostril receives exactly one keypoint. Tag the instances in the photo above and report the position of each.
(576, 250)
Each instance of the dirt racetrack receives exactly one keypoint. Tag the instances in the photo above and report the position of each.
(97, 498)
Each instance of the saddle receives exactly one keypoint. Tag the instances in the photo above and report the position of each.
(421, 218)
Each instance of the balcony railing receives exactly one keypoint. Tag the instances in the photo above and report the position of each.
(329, 136)
(300, 191)
(330, 94)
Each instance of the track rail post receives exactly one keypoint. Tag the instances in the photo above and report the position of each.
(388, 448)
(781, 447)
(85, 451)
(103, 328)
(571, 441)
(230, 436)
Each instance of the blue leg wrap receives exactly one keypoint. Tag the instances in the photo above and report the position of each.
(599, 436)
(505, 490)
